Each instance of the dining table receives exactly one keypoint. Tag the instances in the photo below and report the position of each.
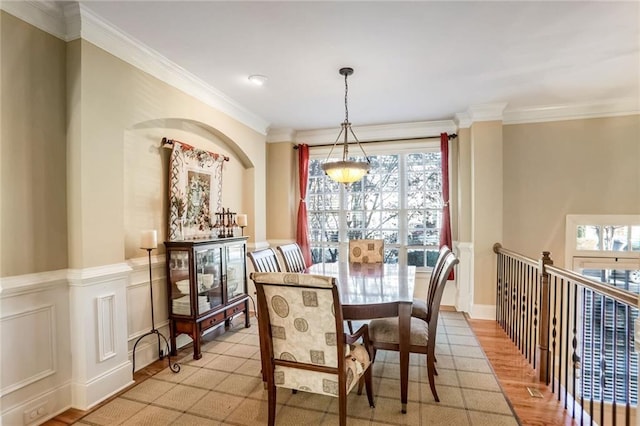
(376, 290)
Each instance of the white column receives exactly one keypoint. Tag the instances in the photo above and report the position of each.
(99, 349)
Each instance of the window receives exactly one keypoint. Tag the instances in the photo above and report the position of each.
(605, 248)
(400, 201)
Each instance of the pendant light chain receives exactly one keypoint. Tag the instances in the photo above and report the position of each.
(346, 125)
(346, 171)
(346, 103)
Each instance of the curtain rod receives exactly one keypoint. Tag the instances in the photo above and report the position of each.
(166, 141)
(451, 136)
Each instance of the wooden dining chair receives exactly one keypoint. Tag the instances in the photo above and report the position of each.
(366, 251)
(302, 334)
(264, 260)
(420, 308)
(292, 256)
(385, 333)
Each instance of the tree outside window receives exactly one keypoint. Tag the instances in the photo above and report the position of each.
(400, 201)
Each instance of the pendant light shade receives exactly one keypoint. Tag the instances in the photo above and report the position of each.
(346, 171)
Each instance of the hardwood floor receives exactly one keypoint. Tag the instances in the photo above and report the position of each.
(515, 375)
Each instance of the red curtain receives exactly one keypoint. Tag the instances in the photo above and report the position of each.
(302, 232)
(445, 231)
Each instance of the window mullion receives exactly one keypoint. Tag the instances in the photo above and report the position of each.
(343, 231)
(402, 211)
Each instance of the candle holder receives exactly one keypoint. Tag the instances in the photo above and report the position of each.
(148, 241)
(225, 223)
(242, 222)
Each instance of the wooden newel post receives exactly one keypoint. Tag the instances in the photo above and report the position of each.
(543, 325)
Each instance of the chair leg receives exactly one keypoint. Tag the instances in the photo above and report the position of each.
(342, 410)
(360, 385)
(272, 404)
(368, 381)
(350, 326)
(430, 371)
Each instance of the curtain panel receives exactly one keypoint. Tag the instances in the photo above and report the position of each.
(302, 231)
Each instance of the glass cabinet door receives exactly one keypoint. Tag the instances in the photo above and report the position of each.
(208, 269)
(179, 278)
(235, 270)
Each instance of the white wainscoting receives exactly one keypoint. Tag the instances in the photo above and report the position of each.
(98, 307)
(34, 344)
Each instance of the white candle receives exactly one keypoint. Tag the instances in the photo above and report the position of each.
(241, 220)
(149, 239)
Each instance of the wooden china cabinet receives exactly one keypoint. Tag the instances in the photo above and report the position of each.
(207, 286)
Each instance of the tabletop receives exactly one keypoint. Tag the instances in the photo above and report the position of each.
(369, 283)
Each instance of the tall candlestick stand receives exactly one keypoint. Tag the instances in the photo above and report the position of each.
(150, 242)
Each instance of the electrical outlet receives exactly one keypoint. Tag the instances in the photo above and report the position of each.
(35, 413)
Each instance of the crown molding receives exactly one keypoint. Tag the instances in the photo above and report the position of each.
(281, 135)
(125, 47)
(46, 15)
(70, 21)
(421, 129)
(477, 113)
(487, 112)
(463, 120)
(73, 21)
(604, 108)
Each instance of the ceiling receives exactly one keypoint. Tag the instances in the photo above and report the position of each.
(414, 61)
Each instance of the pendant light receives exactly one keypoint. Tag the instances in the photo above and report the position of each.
(346, 171)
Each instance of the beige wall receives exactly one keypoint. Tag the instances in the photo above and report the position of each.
(463, 208)
(282, 191)
(146, 169)
(116, 98)
(71, 116)
(33, 154)
(486, 206)
(567, 167)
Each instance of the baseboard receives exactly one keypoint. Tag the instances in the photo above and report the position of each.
(44, 407)
(87, 395)
(486, 312)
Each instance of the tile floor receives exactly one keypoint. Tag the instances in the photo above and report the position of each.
(224, 387)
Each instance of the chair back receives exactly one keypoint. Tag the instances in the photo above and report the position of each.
(301, 329)
(292, 256)
(450, 260)
(432, 286)
(366, 251)
(264, 260)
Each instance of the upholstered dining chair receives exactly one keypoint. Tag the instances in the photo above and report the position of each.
(385, 333)
(420, 308)
(264, 260)
(366, 251)
(302, 333)
(292, 256)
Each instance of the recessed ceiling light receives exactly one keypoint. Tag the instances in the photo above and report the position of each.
(258, 79)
